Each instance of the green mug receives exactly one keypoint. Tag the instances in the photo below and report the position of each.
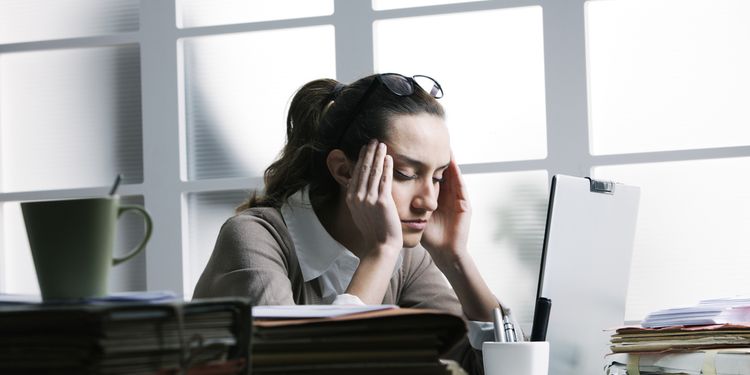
(72, 241)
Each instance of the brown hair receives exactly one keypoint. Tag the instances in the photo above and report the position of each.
(319, 120)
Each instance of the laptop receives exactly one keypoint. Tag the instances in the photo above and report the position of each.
(585, 268)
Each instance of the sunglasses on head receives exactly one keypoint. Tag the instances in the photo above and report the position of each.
(397, 84)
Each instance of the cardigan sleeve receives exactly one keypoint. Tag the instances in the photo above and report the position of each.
(250, 259)
(424, 286)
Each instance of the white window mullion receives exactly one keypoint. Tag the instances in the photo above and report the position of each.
(565, 77)
(161, 145)
(668, 156)
(354, 44)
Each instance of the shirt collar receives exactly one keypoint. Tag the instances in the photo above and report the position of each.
(316, 250)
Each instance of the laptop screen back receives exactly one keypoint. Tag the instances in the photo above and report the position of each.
(585, 269)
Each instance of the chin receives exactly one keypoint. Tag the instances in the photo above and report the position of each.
(412, 239)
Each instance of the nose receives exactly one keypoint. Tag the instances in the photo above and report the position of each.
(425, 198)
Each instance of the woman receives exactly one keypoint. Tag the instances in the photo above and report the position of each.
(365, 205)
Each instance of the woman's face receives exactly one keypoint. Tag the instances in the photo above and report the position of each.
(420, 147)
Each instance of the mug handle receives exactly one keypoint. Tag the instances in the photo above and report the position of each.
(142, 245)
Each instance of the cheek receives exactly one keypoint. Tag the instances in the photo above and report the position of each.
(402, 197)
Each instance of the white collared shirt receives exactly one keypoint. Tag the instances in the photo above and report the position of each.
(321, 256)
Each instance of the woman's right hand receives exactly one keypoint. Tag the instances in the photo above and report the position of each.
(370, 201)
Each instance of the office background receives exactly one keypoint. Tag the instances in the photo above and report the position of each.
(187, 99)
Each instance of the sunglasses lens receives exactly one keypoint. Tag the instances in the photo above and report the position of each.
(429, 85)
(398, 84)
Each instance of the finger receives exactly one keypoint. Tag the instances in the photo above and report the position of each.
(457, 188)
(377, 171)
(351, 188)
(387, 177)
(364, 169)
(453, 189)
(459, 184)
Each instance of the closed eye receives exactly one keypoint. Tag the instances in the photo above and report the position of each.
(404, 176)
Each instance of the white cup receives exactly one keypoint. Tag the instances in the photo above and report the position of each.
(516, 358)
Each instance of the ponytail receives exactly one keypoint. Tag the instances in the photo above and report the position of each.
(297, 161)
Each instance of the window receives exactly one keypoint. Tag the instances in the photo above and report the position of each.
(187, 99)
(667, 101)
(36, 20)
(497, 92)
(667, 75)
(196, 13)
(235, 102)
(691, 231)
(507, 234)
(90, 128)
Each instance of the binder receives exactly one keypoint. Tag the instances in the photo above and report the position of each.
(203, 336)
(386, 341)
(585, 268)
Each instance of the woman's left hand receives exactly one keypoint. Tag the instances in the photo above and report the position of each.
(447, 231)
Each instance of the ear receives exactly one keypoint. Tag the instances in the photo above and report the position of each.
(340, 167)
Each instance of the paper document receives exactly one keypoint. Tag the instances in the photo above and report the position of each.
(313, 311)
(143, 297)
(715, 311)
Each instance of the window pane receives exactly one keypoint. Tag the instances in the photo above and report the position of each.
(194, 13)
(206, 214)
(70, 118)
(17, 269)
(396, 4)
(31, 20)
(691, 239)
(494, 95)
(668, 74)
(507, 234)
(237, 93)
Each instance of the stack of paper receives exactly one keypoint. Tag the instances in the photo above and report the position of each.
(359, 340)
(712, 337)
(715, 311)
(125, 337)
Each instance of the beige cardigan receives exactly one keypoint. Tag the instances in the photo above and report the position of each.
(254, 257)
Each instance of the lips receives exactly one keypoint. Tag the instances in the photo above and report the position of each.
(418, 224)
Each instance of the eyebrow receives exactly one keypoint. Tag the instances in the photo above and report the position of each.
(414, 162)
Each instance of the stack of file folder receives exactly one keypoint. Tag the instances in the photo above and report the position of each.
(699, 362)
(712, 337)
(210, 336)
(378, 341)
(680, 338)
